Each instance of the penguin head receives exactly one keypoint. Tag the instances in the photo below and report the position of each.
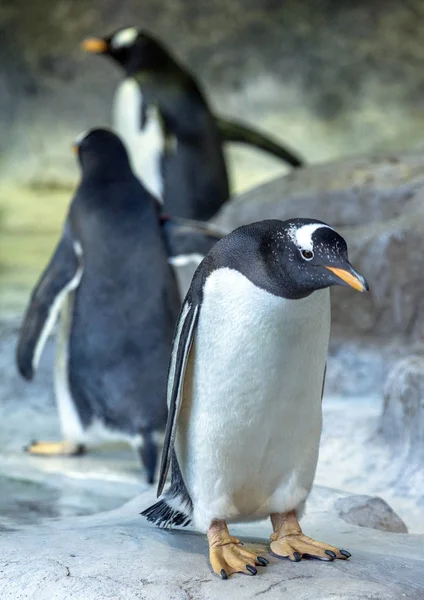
(135, 50)
(102, 154)
(307, 255)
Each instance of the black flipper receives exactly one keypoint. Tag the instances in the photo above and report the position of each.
(181, 348)
(185, 238)
(62, 275)
(236, 132)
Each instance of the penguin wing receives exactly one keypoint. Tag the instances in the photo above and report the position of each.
(189, 241)
(234, 131)
(181, 349)
(62, 275)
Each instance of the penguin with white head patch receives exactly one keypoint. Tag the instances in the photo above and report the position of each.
(245, 388)
(111, 280)
(174, 140)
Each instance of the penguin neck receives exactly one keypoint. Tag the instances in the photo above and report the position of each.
(107, 173)
(165, 65)
(170, 73)
(270, 276)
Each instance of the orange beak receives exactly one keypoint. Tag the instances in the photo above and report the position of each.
(75, 149)
(351, 278)
(94, 45)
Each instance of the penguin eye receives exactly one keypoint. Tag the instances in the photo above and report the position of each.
(307, 254)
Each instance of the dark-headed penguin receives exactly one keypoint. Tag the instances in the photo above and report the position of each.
(110, 279)
(245, 388)
(162, 115)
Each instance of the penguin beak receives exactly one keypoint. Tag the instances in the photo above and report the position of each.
(75, 148)
(350, 277)
(95, 45)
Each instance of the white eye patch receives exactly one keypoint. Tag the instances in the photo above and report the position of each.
(125, 37)
(302, 236)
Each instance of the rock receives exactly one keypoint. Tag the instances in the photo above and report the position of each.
(366, 511)
(378, 205)
(119, 555)
(402, 422)
(401, 431)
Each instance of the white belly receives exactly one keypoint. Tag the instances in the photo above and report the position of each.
(70, 422)
(248, 433)
(145, 146)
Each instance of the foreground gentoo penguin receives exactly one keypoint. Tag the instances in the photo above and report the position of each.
(175, 142)
(245, 387)
(111, 280)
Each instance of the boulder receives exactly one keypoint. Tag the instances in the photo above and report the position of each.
(378, 205)
(372, 512)
(402, 422)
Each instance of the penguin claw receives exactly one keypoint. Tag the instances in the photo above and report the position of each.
(227, 555)
(298, 546)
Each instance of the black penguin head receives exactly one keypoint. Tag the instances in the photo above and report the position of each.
(307, 255)
(135, 50)
(102, 155)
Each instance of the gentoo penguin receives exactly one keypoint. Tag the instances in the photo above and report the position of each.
(111, 280)
(162, 114)
(245, 387)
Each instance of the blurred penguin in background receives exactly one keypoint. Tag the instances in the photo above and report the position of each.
(175, 142)
(111, 281)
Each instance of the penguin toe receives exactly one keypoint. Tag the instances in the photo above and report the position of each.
(232, 558)
(298, 546)
(281, 548)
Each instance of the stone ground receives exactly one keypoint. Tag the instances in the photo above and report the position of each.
(117, 555)
(50, 551)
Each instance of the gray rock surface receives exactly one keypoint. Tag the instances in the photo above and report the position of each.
(378, 205)
(118, 555)
(402, 422)
(366, 511)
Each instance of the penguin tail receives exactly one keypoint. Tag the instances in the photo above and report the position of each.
(235, 131)
(175, 507)
(164, 515)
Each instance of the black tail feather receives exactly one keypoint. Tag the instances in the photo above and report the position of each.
(163, 515)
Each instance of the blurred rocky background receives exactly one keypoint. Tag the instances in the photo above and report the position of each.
(331, 78)
(343, 84)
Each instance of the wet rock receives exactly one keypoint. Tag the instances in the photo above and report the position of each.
(372, 512)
